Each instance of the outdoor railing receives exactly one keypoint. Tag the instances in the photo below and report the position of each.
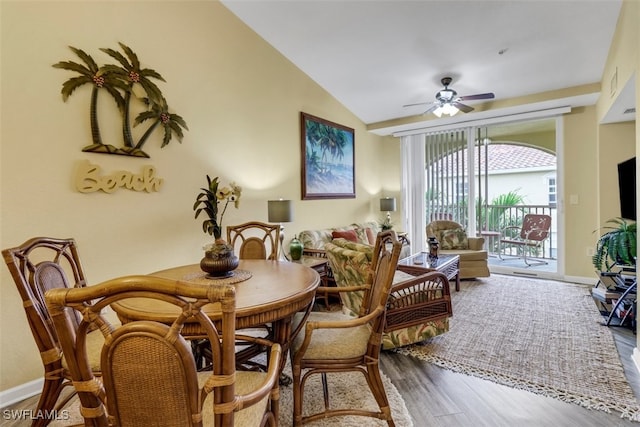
(493, 219)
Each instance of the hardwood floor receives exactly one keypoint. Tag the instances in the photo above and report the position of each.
(436, 397)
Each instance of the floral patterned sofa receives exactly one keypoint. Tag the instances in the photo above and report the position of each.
(365, 232)
(419, 306)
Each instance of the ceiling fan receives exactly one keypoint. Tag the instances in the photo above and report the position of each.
(448, 102)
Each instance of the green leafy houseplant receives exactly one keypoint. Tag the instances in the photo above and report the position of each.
(616, 246)
(213, 201)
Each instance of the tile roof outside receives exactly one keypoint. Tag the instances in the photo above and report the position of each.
(509, 157)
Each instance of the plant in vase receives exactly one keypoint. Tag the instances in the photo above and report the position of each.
(213, 201)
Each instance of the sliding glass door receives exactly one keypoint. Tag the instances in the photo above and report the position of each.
(487, 178)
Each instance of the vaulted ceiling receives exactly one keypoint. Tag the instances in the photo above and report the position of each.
(376, 56)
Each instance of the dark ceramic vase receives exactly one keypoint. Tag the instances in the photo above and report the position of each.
(219, 261)
(434, 246)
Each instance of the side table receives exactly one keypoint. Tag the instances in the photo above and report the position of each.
(321, 265)
(490, 239)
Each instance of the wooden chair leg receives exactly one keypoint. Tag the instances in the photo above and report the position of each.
(297, 396)
(325, 390)
(49, 396)
(377, 389)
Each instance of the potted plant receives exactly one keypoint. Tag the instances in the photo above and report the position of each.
(219, 260)
(618, 246)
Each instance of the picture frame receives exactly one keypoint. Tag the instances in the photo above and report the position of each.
(327, 158)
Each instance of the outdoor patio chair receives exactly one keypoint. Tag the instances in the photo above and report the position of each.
(527, 239)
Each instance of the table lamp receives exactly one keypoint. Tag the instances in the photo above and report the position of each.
(280, 211)
(388, 205)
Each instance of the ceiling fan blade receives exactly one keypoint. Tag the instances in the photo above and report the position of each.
(419, 103)
(433, 107)
(462, 107)
(488, 95)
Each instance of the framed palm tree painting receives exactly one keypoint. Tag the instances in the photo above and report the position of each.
(328, 159)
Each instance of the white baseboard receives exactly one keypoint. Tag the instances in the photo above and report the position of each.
(21, 392)
(583, 280)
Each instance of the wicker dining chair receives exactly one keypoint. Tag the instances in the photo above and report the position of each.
(149, 372)
(40, 264)
(255, 240)
(251, 240)
(336, 343)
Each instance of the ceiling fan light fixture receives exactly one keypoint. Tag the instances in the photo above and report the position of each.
(450, 109)
(446, 109)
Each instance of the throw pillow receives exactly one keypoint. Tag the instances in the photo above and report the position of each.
(454, 239)
(370, 236)
(347, 234)
(361, 235)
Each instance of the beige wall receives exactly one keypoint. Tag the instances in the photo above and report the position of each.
(622, 61)
(580, 179)
(240, 98)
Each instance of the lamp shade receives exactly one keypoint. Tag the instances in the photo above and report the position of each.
(280, 210)
(388, 204)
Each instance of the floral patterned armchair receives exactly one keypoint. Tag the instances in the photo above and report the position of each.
(419, 305)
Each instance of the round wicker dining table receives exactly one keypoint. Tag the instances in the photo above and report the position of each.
(266, 292)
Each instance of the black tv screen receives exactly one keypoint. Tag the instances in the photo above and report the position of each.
(627, 186)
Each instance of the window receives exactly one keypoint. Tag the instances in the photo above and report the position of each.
(551, 191)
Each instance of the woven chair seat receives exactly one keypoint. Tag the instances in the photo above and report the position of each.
(246, 381)
(341, 343)
(95, 341)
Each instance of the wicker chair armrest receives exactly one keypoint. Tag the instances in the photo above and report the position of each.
(269, 384)
(337, 290)
(320, 253)
(426, 281)
(411, 269)
(342, 324)
(424, 298)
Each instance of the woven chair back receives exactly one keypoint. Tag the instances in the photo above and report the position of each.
(386, 253)
(32, 268)
(40, 264)
(149, 373)
(255, 240)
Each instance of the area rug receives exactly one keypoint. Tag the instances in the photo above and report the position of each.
(536, 335)
(345, 390)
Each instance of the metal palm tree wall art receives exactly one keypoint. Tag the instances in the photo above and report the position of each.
(125, 82)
